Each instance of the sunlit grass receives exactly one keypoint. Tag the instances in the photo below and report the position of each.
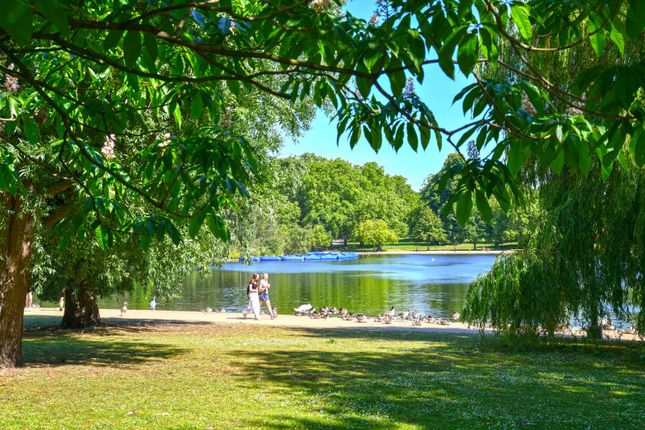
(243, 376)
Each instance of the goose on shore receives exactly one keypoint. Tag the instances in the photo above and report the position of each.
(207, 310)
(221, 310)
(153, 303)
(455, 316)
(303, 309)
(124, 308)
(361, 318)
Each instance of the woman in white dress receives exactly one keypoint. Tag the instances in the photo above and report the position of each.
(254, 300)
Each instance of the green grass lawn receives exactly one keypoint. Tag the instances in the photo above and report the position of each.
(239, 376)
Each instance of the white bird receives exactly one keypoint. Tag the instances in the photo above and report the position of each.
(153, 303)
(124, 309)
(303, 309)
(207, 310)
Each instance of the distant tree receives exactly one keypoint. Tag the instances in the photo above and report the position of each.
(375, 232)
(475, 231)
(318, 237)
(426, 226)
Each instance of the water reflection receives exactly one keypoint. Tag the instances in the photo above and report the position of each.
(431, 284)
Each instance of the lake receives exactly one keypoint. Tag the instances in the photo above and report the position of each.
(432, 284)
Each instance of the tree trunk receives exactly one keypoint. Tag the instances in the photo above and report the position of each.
(81, 307)
(474, 246)
(594, 331)
(15, 253)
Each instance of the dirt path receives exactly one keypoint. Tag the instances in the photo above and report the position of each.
(114, 316)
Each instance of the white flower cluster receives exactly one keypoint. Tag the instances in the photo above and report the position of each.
(108, 146)
(226, 120)
(11, 83)
(320, 5)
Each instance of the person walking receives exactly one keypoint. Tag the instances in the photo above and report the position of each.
(264, 294)
(252, 293)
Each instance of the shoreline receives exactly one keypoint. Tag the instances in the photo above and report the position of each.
(410, 252)
(434, 252)
(113, 316)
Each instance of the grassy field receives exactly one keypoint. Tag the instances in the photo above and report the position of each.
(238, 376)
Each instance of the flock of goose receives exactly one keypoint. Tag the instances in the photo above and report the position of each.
(387, 317)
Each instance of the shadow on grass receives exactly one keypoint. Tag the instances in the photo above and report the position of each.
(45, 343)
(359, 379)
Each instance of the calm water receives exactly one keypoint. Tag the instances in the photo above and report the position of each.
(434, 284)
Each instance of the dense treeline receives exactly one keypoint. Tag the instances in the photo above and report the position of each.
(311, 201)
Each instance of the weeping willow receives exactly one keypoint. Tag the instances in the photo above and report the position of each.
(586, 257)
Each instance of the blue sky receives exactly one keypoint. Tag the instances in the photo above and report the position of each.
(437, 91)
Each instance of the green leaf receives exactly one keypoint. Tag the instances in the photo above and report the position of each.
(617, 37)
(520, 13)
(375, 138)
(196, 106)
(150, 43)
(597, 37)
(448, 48)
(515, 158)
(639, 147)
(483, 206)
(177, 115)
(425, 136)
(55, 13)
(195, 223)
(583, 157)
(234, 87)
(397, 82)
(464, 207)
(32, 130)
(131, 47)
(468, 54)
(112, 39)
(413, 140)
(16, 19)
(635, 20)
(558, 162)
(364, 86)
(101, 237)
